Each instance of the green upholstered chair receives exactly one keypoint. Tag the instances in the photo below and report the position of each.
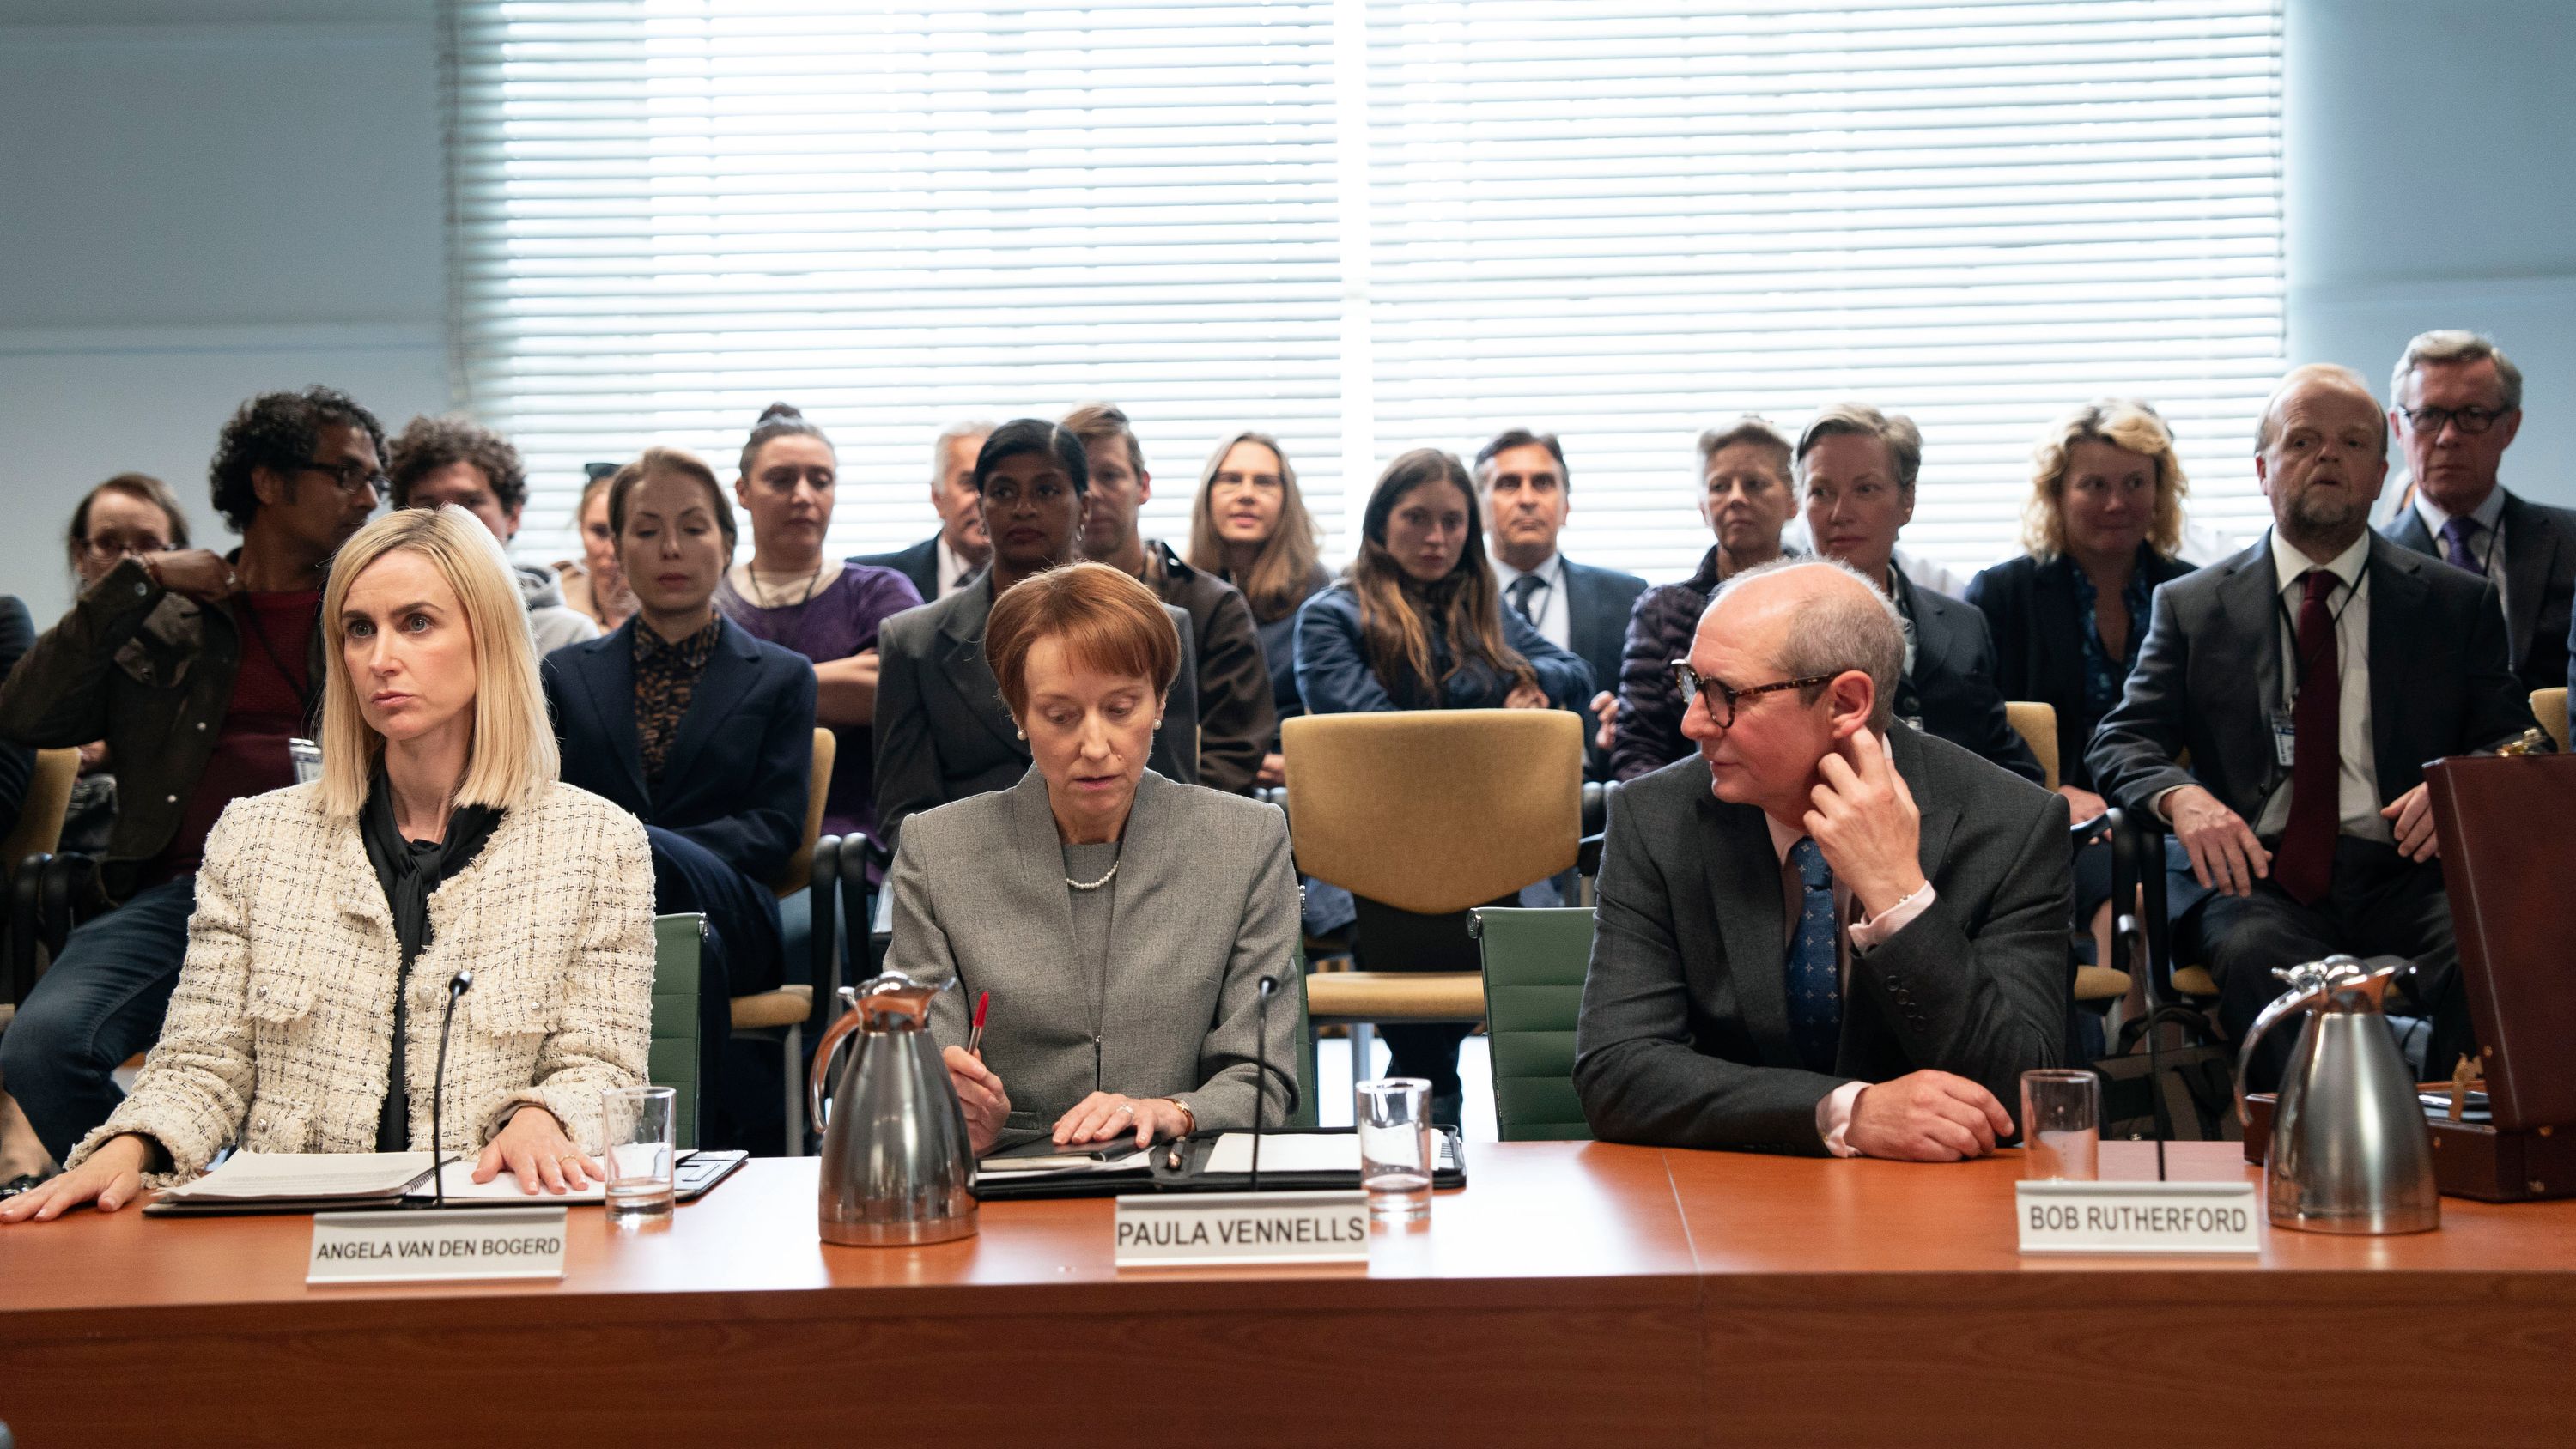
(673, 1060)
(1534, 965)
(1304, 1116)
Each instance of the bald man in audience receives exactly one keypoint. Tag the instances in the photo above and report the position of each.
(2309, 678)
(1821, 934)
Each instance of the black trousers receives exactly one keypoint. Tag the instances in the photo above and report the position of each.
(2378, 903)
(739, 1089)
(1387, 939)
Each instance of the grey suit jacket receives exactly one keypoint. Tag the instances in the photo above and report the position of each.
(1597, 604)
(2540, 582)
(1684, 1036)
(942, 730)
(1205, 906)
(2209, 676)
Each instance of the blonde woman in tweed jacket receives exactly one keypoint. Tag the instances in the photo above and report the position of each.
(438, 838)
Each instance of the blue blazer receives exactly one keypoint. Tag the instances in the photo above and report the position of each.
(736, 780)
(1334, 675)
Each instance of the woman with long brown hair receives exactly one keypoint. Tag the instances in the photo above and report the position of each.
(1418, 623)
(1249, 527)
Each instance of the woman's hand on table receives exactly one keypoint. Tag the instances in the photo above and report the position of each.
(981, 1093)
(1104, 1115)
(533, 1146)
(110, 1177)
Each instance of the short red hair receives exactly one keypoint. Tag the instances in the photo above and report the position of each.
(1108, 621)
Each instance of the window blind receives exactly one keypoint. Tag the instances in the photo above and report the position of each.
(1367, 225)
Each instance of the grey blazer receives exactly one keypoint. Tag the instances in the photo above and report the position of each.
(1684, 1037)
(1205, 905)
(942, 730)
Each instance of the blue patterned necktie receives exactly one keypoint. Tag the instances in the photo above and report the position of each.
(1524, 589)
(1815, 983)
(2456, 534)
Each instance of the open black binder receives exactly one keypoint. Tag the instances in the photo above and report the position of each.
(1183, 1167)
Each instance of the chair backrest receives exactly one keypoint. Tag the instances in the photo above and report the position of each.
(800, 867)
(673, 1058)
(40, 813)
(1433, 811)
(2549, 706)
(1534, 965)
(2036, 723)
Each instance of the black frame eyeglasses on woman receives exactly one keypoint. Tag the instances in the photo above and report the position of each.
(1720, 693)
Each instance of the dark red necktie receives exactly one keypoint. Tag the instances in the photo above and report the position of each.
(2304, 865)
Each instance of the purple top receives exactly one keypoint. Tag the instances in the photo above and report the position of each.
(836, 623)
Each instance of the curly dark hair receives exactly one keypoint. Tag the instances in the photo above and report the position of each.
(277, 431)
(429, 444)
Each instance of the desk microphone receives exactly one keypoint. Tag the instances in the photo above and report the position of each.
(456, 990)
(1260, 1070)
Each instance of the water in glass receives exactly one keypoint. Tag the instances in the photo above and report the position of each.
(1394, 1120)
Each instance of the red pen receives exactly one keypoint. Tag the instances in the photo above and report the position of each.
(975, 1035)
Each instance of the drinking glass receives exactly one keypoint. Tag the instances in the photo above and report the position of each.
(637, 1143)
(2061, 1125)
(1394, 1117)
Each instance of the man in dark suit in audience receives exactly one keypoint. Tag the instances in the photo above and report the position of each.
(1237, 715)
(2310, 677)
(942, 731)
(2455, 404)
(1525, 488)
(1856, 468)
(1821, 934)
(939, 564)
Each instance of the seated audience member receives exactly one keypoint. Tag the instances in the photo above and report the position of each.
(791, 595)
(1527, 491)
(2104, 517)
(331, 917)
(17, 762)
(2456, 403)
(196, 670)
(1249, 526)
(2370, 659)
(131, 513)
(1419, 624)
(1857, 466)
(1118, 1004)
(1747, 499)
(593, 584)
(940, 564)
(1823, 934)
(438, 461)
(1236, 719)
(942, 731)
(706, 734)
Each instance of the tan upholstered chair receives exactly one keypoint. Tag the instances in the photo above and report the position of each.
(781, 1015)
(2549, 706)
(2036, 723)
(1429, 811)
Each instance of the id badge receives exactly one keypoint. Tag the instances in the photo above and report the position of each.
(2285, 739)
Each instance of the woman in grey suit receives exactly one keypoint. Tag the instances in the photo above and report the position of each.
(1122, 923)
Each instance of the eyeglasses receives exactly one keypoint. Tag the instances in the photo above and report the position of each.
(1723, 697)
(113, 544)
(2470, 421)
(351, 476)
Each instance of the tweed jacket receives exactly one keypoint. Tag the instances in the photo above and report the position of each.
(1205, 906)
(280, 1030)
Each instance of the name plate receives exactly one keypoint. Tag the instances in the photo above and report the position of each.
(2138, 1217)
(1191, 1230)
(402, 1246)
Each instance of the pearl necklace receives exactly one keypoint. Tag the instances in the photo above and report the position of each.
(1093, 885)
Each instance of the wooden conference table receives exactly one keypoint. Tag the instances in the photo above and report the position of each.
(1574, 1292)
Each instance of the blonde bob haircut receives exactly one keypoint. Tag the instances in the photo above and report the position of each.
(512, 757)
(2125, 423)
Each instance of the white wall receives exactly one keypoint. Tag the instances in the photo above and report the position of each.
(2430, 154)
(200, 201)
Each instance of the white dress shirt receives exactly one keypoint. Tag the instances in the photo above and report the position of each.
(2487, 540)
(2358, 788)
(953, 569)
(1548, 607)
(1833, 1114)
